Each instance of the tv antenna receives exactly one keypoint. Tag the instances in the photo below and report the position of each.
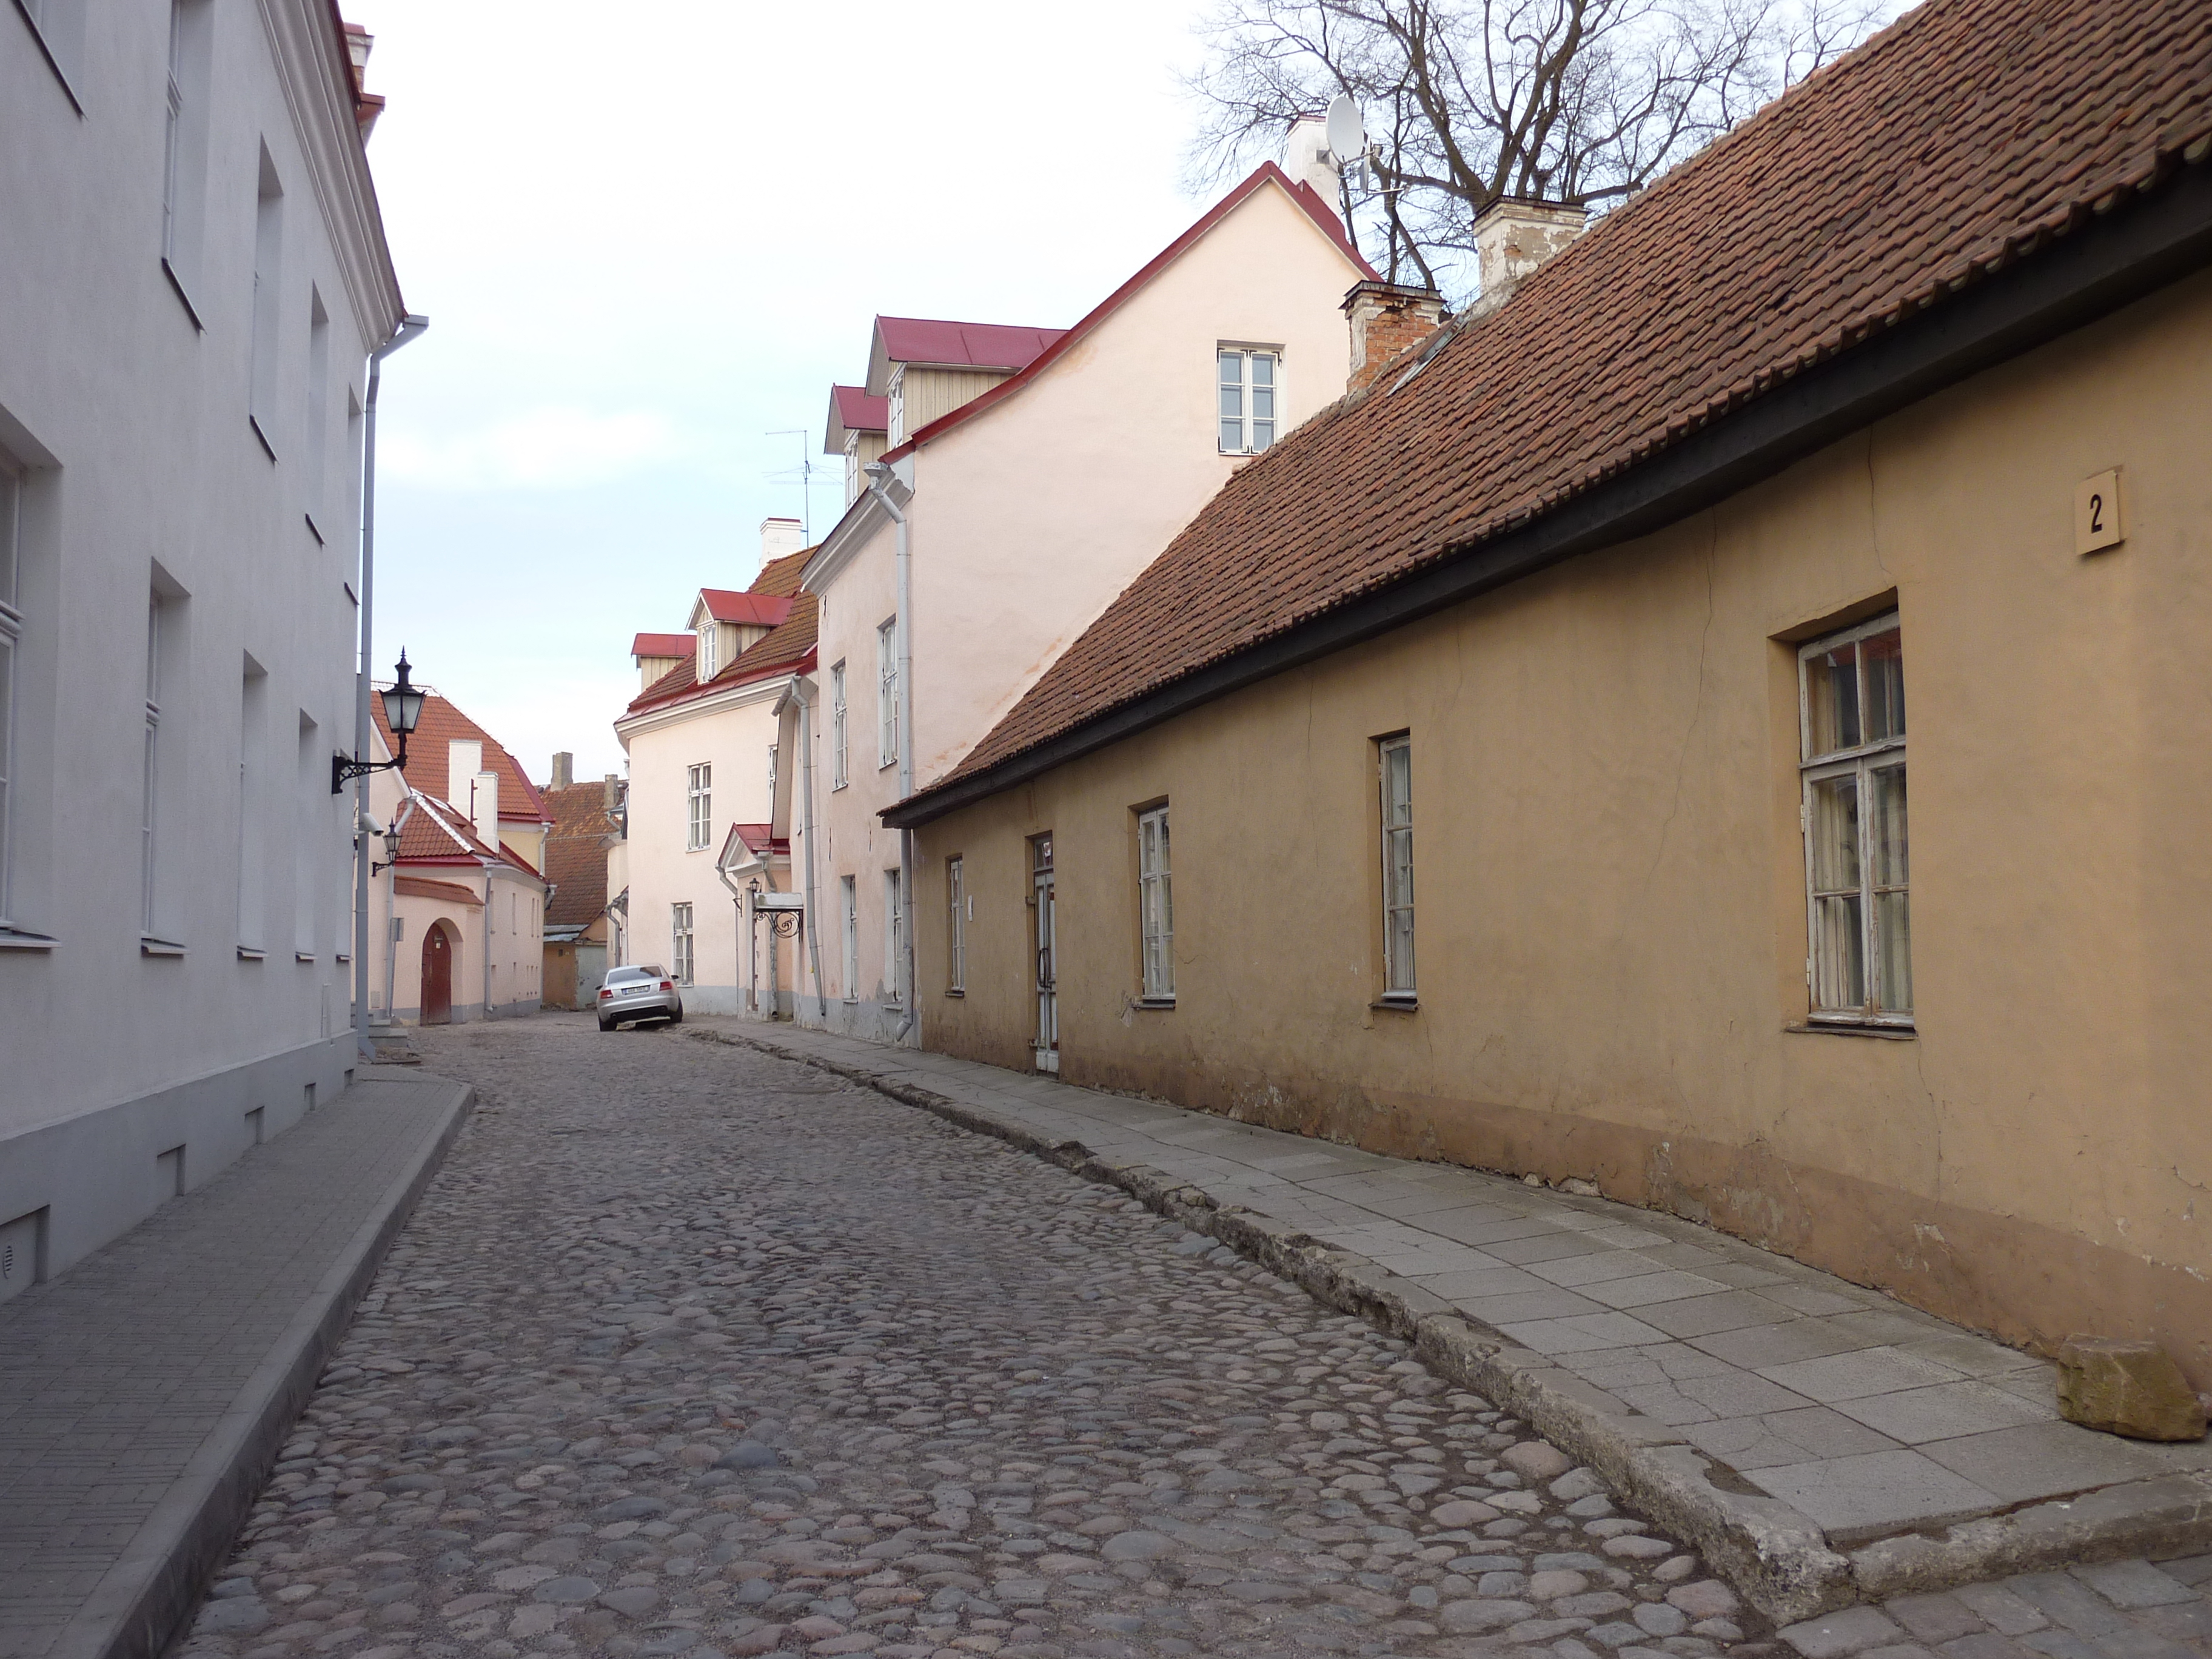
(805, 477)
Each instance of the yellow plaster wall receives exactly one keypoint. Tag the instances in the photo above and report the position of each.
(1611, 932)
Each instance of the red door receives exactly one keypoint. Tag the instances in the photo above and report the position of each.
(437, 976)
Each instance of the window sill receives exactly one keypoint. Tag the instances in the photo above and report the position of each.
(303, 956)
(15, 938)
(1842, 1028)
(1167, 1003)
(955, 991)
(53, 63)
(150, 946)
(251, 953)
(267, 448)
(1395, 1005)
(184, 299)
(343, 955)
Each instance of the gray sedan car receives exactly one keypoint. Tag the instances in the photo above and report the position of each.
(640, 992)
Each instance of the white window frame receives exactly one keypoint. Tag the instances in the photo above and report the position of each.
(1155, 906)
(1248, 384)
(681, 935)
(849, 895)
(149, 829)
(771, 781)
(12, 646)
(1865, 762)
(894, 937)
(955, 885)
(709, 643)
(1394, 798)
(887, 694)
(699, 806)
(838, 773)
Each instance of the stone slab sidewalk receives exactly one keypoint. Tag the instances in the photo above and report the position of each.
(144, 1393)
(1822, 1443)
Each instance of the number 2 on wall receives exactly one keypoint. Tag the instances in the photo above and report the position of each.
(2097, 513)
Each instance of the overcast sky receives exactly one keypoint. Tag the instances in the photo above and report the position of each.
(644, 245)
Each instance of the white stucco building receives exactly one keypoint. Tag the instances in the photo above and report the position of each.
(701, 736)
(1037, 472)
(192, 273)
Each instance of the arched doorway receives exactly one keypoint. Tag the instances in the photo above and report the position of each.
(439, 949)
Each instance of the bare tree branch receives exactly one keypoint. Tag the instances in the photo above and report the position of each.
(1579, 101)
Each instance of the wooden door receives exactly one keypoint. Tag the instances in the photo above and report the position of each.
(438, 976)
(1047, 1043)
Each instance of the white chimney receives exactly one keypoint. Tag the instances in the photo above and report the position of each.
(483, 808)
(1512, 237)
(463, 760)
(1306, 158)
(780, 537)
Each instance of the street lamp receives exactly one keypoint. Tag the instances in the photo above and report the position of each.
(402, 710)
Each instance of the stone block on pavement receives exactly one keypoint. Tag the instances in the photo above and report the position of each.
(2133, 1388)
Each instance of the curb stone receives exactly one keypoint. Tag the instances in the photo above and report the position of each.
(142, 1604)
(1778, 1558)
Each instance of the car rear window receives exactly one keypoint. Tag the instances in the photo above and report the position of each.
(624, 976)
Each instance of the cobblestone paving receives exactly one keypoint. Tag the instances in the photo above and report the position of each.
(691, 1350)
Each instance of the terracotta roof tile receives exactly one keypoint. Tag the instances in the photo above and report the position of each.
(1966, 136)
(428, 758)
(450, 892)
(576, 853)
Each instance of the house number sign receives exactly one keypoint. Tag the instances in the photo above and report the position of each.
(2097, 513)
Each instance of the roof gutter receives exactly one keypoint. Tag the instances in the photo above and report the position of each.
(2137, 248)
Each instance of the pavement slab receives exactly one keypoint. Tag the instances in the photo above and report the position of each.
(1925, 1456)
(144, 1392)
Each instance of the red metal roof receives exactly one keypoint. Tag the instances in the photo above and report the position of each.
(787, 648)
(662, 645)
(1265, 173)
(853, 408)
(964, 345)
(752, 610)
(759, 839)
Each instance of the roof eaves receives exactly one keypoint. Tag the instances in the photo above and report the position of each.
(1963, 321)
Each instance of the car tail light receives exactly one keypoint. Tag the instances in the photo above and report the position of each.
(668, 985)
(605, 992)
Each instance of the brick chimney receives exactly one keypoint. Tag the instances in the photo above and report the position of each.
(1386, 319)
(564, 768)
(1513, 236)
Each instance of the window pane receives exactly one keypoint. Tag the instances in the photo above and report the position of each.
(1263, 369)
(1401, 946)
(1232, 367)
(1263, 404)
(1886, 844)
(1233, 436)
(1832, 693)
(1398, 774)
(1882, 659)
(1892, 922)
(1835, 832)
(1839, 954)
(1263, 434)
(1232, 403)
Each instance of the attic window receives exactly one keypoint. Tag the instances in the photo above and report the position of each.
(1248, 379)
(710, 638)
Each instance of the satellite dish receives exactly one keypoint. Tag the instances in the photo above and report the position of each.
(1348, 133)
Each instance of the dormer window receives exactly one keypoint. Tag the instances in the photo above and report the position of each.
(1248, 377)
(898, 406)
(710, 639)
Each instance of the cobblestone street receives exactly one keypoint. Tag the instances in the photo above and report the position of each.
(692, 1349)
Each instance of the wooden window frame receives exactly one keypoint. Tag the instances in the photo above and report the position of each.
(1860, 761)
(1154, 908)
(1399, 990)
(955, 938)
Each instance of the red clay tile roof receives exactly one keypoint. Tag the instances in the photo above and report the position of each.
(576, 853)
(754, 610)
(787, 648)
(1967, 136)
(1267, 173)
(439, 833)
(427, 757)
(451, 892)
(663, 644)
